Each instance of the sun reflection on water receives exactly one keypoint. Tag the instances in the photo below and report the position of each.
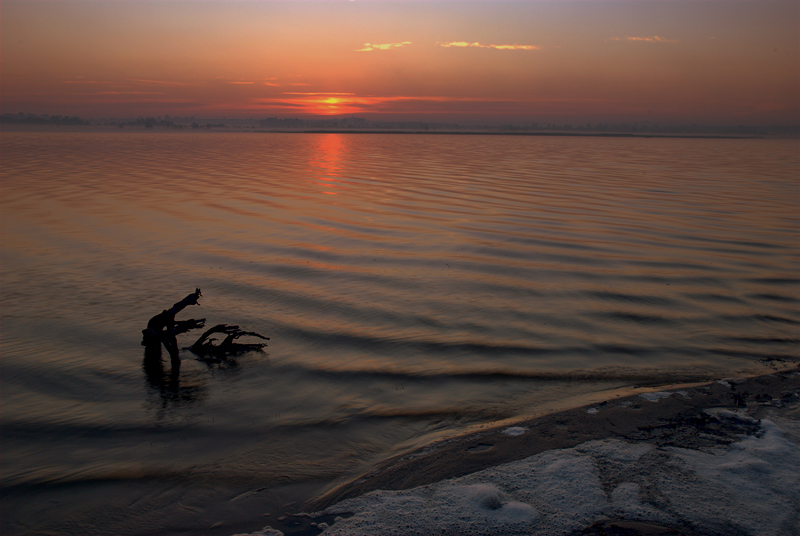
(327, 160)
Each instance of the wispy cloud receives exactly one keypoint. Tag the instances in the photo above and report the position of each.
(648, 39)
(158, 82)
(317, 93)
(84, 82)
(370, 47)
(344, 103)
(127, 93)
(464, 44)
(264, 81)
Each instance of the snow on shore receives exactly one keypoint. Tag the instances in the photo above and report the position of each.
(749, 487)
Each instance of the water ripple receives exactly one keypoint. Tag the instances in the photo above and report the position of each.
(436, 280)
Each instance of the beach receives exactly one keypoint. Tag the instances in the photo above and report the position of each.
(718, 458)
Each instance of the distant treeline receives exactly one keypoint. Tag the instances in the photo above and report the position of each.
(356, 123)
(656, 128)
(31, 119)
(353, 123)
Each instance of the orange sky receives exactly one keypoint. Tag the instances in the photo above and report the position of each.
(703, 61)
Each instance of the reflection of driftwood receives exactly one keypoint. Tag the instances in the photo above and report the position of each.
(205, 346)
(163, 329)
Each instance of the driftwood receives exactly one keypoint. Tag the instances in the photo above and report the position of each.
(163, 329)
(204, 346)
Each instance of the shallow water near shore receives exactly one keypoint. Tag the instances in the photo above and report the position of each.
(412, 286)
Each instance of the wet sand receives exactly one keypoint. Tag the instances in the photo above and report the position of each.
(706, 419)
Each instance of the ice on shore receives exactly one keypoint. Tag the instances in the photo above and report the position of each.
(656, 396)
(266, 531)
(514, 431)
(749, 487)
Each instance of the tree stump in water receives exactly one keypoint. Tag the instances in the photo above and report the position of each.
(164, 329)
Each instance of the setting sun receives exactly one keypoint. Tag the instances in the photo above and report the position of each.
(332, 106)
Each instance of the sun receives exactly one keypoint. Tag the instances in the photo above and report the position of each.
(331, 106)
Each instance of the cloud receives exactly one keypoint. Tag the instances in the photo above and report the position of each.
(343, 104)
(648, 39)
(369, 47)
(158, 82)
(84, 82)
(463, 44)
(318, 93)
(126, 93)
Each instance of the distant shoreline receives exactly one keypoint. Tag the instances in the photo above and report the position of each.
(523, 133)
(526, 133)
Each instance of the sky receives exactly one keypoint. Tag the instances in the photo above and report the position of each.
(561, 61)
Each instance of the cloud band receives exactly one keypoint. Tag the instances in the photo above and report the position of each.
(370, 47)
(464, 44)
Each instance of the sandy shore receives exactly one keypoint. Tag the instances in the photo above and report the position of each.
(720, 458)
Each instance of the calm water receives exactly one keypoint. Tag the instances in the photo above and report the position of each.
(412, 285)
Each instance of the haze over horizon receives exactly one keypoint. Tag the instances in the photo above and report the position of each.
(706, 61)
